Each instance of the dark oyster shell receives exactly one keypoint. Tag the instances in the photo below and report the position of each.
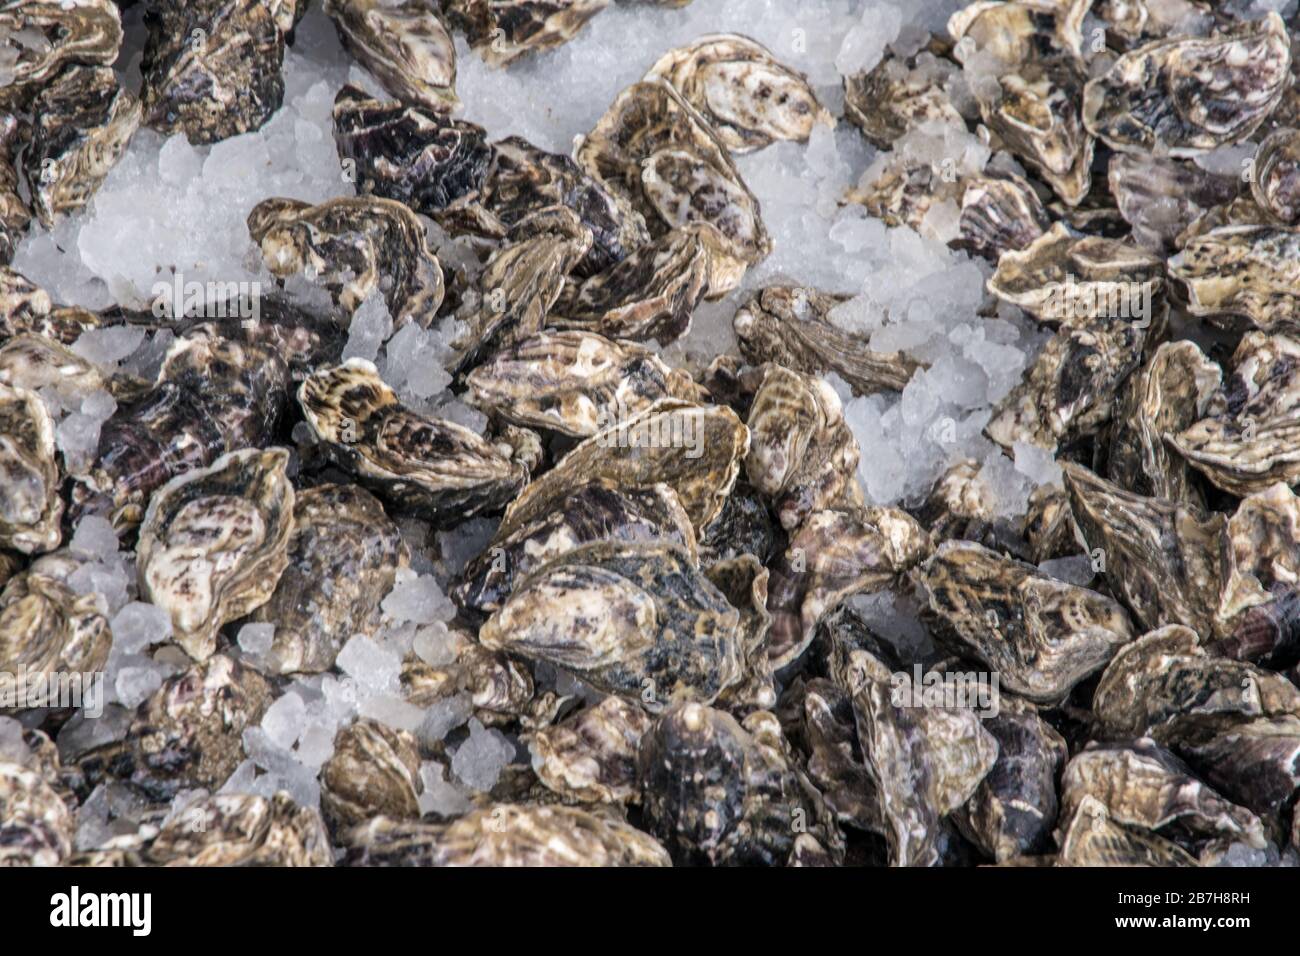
(1275, 182)
(374, 771)
(501, 31)
(591, 756)
(42, 36)
(231, 829)
(404, 44)
(1160, 197)
(30, 506)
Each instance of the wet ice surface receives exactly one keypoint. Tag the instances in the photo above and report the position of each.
(172, 209)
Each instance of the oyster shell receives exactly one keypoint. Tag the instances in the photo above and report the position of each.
(432, 467)
(833, 555)
(749, 98)
(1246, 443)
(374, 771)
(802, 455)
(506, 834)
(350, 244)
(82, 124)
(1245, 270)
(743, 581)
(405, 45)
(1184, 95)
(1275, 184)
(14, 214)
(653, 149)
(30, 506)
(999, 214)
(34, 362)
(1165, 396)
(743, 526)
(1160, 197)
(696, 450)
(189, 733)
(212, 67)
(1091, 838)
(1254, 763)
(501, 31)
(637, 620)
(231, 829)
(790, 326)
(214, 543)
(899, 95)
(597, 511)
(591, 757)
(36, 826)
(344, 555)
(575, 383)
(1164, 559)
(42, 36)
(1263, 554)
(1040, 635)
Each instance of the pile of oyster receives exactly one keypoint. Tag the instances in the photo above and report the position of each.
(661, 619)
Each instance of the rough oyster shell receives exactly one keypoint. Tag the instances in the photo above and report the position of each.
(36, 826)
(501, 31)
(30, 506)
(230, 829)
(1275, 182)
(1263, 554)
(1187, 95)
(355, 246)
(1160, 197)
(14, 214)
(1091, 838)
(405, 45)
(1040, 635)
(749, 98)
(591, 757)
(788, 325)
(434, 468)
(897, 96)
(1247, 270)
(999, 214)
(34, 362)
(344, 555)
(374, 771)
(214, 543)
(70, 31)
(637, 620)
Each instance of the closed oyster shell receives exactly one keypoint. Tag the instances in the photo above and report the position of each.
(1263, 555)
(743, 581)
(505, 834)
(83, 122)
(637, 620)
(36, 826)
(696, 450)
(1276, 180)
(15, 216)
(344, 555)
(833, 555)
(1160, 197)
(1255, 763)
(233, 829)
(435, 468)
(898, 95)
(35, 362)
(719, 792)
(999, 214)
(576, 383)
(749, 98)
(591, 756)
(1040, 635)
(1164, 559)
(596, 511)
(42, 36)
(355, 246)
(802, 455)
(1242, 270)
(189, 733)
(374, 771)
(405, 45)
(501, 31)
(1183, 96)
(1092, 838)
(214, 543)
(789, 325)
(30, 506)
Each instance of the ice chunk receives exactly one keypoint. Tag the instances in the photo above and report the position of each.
(371, 325)
(136, 684)
(283, 720)
(95, 537)
(418, 599)
(481, 758)
(109, 345)
(440, 796)
(1076, 569)
(12, 747)
(372, 667)
(256, 639)
(139, 625)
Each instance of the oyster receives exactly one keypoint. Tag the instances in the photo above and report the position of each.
(999, 214)
(230, 829)
(1246, 442)
(743, 581)
(404, 44)
(1188, 95)
(344, 555)
(83, 122)
(743, 526)
(899, 95)
(1091, 838)
(374, 771)
(591, 757)
(1244, 270)
(1165, 559)
(434, 468)
(507, 835)
(696, 450)
(1263, 555)
(1275, 182)
(501, 31)
(653, 149)
(214, 543)
(596, 511)
(34, 362)
(637, 620)
(30, 506)
(720, 792)
(575, 383)
(749, 98)
(14, 214)
(650, 294)
(350, 244)
(42, 36)
(790, 326)
(835, 554)
(1040, 635)
(189, 733)
(1160, 197)
(36, 826)
(1165, 396)
(802, 455)
(1254, 763)
(212, 67)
